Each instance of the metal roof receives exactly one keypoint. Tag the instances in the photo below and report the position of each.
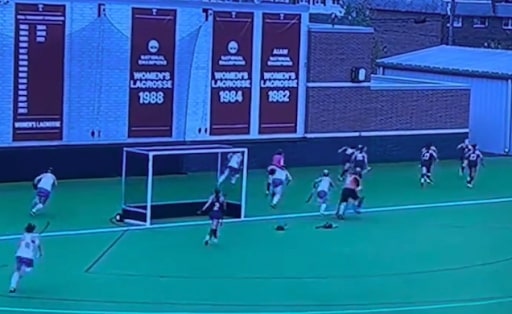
(455, 60)
(474, 8)
(504, 9)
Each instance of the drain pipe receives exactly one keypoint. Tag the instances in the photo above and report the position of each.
(509, 117)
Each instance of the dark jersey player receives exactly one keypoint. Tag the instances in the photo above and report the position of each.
(350, 194)
(427, 160)
(347, 153)
(360, 159)
(473, 160)
(216, 206)
(464, 149)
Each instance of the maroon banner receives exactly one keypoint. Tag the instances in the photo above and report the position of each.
(230, 102)
(39, 40)
(279, 88)
(152, 73)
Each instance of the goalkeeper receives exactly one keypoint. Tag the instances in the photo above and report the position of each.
(235, 163)
(216, 207)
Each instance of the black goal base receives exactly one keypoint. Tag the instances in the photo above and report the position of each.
(174, 210)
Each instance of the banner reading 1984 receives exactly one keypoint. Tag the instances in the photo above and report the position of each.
(230, 104)
(152, 72)
(279, 86)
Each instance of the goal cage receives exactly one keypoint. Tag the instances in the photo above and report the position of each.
(160, 183)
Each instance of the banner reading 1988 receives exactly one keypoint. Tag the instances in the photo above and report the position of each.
(230, 105)
(279, 86)
(152, 72)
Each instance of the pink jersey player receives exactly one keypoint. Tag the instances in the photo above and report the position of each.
(277, 161)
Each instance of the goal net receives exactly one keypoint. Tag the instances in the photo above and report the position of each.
(163, 183)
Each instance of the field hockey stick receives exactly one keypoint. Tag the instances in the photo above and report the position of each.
(310, 196)
(45, 228)
(39, 254)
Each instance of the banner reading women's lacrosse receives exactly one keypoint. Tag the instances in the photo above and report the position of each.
(38, 71)
(279, 86)
(230, 104)
(152, 73)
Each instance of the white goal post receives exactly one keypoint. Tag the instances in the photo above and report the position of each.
(143, 214)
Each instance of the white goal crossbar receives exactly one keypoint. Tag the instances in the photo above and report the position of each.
(152, 151)
(181, 149)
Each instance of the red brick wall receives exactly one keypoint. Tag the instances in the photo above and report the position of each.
(469, 36)
(332, 55)
(398, 32)
(359, 109)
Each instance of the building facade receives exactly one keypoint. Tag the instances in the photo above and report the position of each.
(487, 71)
(196, 75)
(483, 24)
(404, 26)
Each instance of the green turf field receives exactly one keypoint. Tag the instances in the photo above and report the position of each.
(445, 249)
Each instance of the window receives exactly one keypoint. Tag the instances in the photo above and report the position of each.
(457, 22)
(319, 2)
(507, 23)
(480, 22)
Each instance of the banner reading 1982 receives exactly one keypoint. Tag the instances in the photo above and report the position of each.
(230, 105)
(152, 72)
(38, 71)
(279, 86)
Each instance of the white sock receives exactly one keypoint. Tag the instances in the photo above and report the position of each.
(223, 177)
(322, 208)
(14, 280)
(276, 199)
(37, 208)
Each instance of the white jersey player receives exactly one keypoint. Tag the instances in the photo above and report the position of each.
(280, 177)
(235, 163)
(28, 250)
(323, 186)
(43, 184)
